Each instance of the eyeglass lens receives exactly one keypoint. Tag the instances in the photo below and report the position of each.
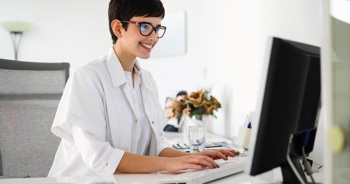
(146, 29)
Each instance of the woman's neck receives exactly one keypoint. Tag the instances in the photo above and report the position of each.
(127, 61)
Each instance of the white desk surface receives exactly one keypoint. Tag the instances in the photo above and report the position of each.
(240, 178)
(115, 179)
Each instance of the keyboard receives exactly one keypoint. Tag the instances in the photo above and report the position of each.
(227, 167)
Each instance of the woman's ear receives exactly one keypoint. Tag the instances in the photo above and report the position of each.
(117, 27)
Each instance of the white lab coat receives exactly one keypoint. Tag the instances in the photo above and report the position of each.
(97, 101)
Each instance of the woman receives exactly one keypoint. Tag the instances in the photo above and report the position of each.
(109, 118)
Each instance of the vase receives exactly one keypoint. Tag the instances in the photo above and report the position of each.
(196, 120)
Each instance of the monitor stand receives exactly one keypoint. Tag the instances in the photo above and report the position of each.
(289, 176)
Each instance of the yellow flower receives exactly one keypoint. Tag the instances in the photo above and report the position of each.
(215, 102)
(195, 98)
(209, 107)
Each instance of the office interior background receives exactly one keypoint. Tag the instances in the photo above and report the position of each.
(225, 44)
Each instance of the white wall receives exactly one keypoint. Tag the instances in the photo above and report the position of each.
(226, 42)
(74, 31)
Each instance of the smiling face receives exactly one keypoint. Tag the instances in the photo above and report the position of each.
(131, 43)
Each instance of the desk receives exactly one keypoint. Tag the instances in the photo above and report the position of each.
(114, 179)
(240, 178)
(174, 138)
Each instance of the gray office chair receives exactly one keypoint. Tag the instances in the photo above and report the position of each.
(29, 96)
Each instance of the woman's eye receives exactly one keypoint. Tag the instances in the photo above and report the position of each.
(144, 27)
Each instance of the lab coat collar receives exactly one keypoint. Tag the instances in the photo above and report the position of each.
(115, 69)
(117, 73)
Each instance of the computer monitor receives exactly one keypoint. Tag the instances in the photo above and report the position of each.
(286, 117)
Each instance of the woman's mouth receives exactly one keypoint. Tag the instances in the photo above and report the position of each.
(147, 46)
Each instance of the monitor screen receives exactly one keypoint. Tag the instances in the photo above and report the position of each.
(286, 117)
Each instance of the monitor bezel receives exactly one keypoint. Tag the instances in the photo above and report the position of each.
(257, 115)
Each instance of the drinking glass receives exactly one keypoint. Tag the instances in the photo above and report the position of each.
(196, 138)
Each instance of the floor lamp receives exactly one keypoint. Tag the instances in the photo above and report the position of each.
(16, 30)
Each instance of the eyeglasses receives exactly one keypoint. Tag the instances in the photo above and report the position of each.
(147, 28)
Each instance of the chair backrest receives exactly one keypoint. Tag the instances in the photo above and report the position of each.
(29, 97)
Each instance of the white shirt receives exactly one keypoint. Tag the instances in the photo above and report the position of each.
(101, 115)
(145, 134)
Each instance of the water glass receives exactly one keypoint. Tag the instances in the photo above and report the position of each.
(196, 138)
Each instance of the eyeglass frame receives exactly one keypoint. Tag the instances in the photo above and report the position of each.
(155, 29)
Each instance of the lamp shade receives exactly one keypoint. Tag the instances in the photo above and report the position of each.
(16, 29)
(17, 26)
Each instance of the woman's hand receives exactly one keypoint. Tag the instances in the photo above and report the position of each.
(193, 161)
(219, 153)
(174, 160)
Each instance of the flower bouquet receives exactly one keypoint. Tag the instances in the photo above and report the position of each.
(195, 110)
(201, 103)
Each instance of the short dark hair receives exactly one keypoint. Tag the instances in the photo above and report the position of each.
(181, 93)
(126, 9)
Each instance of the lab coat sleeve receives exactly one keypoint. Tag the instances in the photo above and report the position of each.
(82, 106)
(96, 152)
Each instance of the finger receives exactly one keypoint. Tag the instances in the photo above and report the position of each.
(230, 153)
(215, 154)
(193, 166)
(184, 163)
(204, 161)
(212, 162)
(219, 154)
(209, 162)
